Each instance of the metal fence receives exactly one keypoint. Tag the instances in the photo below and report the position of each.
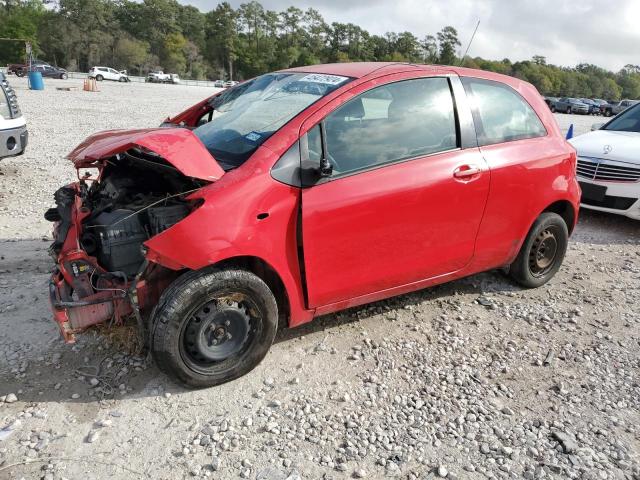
(193, 83)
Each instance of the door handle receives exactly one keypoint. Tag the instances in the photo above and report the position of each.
(464, 172)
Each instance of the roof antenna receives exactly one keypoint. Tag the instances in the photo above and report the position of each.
(469, 45)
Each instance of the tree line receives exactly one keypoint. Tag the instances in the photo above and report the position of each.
(240, 43)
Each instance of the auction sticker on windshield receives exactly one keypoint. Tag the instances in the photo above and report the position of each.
(253, 136)
(325, 79)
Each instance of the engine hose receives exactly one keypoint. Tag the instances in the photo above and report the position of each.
(135, 306)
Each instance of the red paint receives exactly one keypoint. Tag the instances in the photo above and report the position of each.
(367, 236)
(178, 146)
(391, 226)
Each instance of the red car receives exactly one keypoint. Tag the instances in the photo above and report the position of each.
(304, 192)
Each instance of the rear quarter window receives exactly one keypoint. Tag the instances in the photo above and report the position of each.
(500, 114)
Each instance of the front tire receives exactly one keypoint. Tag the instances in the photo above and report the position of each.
(542, 252)
(568, 110)
(213, 326)
(64, 76)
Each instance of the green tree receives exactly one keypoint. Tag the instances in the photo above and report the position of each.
(173, 53)
(240, 43)
(129, 53)
(19, 19)
(447, 43)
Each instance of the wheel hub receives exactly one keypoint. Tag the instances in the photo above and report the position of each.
(217, 331)
(543, 253)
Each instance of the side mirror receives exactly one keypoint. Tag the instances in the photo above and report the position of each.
(596, 126)
(326, 169)
(313, 164)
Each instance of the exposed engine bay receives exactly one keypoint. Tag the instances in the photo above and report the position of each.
(101, 224)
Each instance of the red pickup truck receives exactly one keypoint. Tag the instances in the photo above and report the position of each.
(20, 70)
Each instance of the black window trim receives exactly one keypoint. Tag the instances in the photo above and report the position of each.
(479, 128)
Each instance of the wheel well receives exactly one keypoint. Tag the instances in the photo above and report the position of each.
(269, 276)
(565, 210)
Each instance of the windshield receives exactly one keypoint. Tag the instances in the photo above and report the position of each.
(245, 116)
(627, 121)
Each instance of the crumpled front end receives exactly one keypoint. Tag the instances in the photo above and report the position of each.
(101, 223)
(77, 302)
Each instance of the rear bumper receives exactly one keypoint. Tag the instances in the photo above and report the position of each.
(13, 141)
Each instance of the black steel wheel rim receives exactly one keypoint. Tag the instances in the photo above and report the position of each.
(219, 332)
(543, 252)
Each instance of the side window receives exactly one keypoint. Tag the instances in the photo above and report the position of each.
(314, 145)
(500, 113)
(392, 122)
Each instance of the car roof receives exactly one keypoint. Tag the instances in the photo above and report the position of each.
(365, 69)
(375, 69)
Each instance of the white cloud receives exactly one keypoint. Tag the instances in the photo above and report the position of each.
(602, 32)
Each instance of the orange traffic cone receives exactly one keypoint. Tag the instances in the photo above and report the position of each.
(90, 85)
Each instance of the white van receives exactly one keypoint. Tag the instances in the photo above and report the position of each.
(13, 127)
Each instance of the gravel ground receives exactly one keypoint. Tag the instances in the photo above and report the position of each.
(473, 379)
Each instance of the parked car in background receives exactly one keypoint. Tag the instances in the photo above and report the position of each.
(570, 105)
(609, 165)
(594, 107)
(20, 69)
(218, 84)
(13, 127)
(45, 69)
(107, 73)
(50, 72)
(314, 189)
(550, 101)
(230, 83)
(158, 76)
(616, 108)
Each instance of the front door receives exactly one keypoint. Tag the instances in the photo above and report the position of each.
(403, 202)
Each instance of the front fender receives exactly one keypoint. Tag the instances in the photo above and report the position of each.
(241, 216)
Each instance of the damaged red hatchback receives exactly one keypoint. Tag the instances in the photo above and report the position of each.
(304, 192)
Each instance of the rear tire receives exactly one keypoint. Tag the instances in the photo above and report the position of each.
(568, 110)
(213, 326)
(542, 252)
(99, 78)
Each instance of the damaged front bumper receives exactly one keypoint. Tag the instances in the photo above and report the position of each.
(73, 314)
(104, 273)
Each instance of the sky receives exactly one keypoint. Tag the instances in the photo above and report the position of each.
(602, 32)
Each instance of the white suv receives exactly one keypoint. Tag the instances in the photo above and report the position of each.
(13, 128)
(106, 73)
